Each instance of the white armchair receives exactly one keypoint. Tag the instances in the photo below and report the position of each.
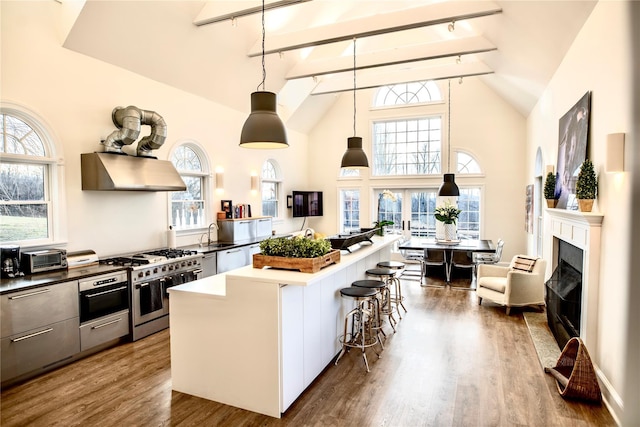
(519, 284)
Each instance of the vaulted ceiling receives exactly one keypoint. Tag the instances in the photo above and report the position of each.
(513, 46)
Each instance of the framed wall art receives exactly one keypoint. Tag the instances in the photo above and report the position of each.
(572, 151)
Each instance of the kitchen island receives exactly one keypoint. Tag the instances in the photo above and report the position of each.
(256, 338)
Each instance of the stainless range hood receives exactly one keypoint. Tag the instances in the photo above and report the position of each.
(110, 172)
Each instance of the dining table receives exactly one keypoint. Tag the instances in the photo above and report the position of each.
(448, 246)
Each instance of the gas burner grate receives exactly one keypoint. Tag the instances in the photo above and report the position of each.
(120, 261)
(172, 253)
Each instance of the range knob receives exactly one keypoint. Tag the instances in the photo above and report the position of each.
(147, 273)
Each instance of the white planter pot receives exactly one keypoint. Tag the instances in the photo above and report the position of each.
(450, 232)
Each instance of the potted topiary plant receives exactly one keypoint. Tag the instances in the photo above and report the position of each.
(550, 190)
(586, 186)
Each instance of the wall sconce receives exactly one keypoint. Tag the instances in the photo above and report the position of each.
(254, 183)
(219, 180)
(615, 152)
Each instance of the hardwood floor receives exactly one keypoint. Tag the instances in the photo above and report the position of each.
(451, 363)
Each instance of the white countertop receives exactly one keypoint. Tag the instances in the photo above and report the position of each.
(215, 286)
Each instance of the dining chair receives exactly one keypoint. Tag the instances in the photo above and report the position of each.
(489, 258)
(434, 258)
(462, 259)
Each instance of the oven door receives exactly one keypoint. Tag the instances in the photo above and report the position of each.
(103, 300)
(148, 301)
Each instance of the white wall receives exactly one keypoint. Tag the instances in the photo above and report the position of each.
(599, 61)
(481, 124)
(75, 94)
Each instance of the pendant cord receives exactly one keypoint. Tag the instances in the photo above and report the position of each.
(264, 70)
(449, 131)
(354, 86)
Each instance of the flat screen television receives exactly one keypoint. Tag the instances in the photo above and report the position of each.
(307, 203)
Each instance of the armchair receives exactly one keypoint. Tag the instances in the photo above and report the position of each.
(519, 284)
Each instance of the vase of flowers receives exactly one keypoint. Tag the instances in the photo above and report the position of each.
(448, 214)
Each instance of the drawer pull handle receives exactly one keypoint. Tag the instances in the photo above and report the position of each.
(43, 291)
(106, 292)
(35, 334)
(234, 251)
(106, 324)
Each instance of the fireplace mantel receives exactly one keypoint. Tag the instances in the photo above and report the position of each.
(581, 229)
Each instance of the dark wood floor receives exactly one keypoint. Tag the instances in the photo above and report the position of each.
(451, 363)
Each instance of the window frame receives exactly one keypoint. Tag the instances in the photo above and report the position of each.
(342, 212)
(278, 180)
(53, 179)
(205, 176)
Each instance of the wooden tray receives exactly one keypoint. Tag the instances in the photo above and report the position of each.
(305, 265)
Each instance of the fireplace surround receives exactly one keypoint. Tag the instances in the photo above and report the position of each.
(583, 231)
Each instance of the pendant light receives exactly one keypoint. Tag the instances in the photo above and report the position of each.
(449, 187)
(263, 128)
(354, 157)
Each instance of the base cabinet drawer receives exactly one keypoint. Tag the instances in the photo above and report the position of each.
(38, 348)
(104, 330)
(32, 308)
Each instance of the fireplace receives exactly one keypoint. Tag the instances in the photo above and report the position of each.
(564, 294)
(575, 258)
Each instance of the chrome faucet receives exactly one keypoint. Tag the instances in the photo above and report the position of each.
(209, 232)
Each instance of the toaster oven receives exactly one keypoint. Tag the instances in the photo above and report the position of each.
(43, 260)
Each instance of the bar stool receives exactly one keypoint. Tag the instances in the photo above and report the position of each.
(379, 286)
(386, 276)
(397, 297)
(360, 317)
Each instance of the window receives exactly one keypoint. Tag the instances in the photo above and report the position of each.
(408, 93)
(270, 188)
(350, 210)
(407, 147)
(26, 174)
(467, 164)
(349, 173)
(188, 208)
(469, 220)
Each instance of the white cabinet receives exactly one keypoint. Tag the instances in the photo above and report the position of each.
(230, 259)
(244, 230)
(249, 250)
(209, 267)
(39, 328)
(292, 361)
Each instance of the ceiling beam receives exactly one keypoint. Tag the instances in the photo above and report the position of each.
(246, 12)
(407, 19)
(402, 55)
(377, 79)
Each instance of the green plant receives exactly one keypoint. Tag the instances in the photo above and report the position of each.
(447, 213)
(297, 247)
(550, 186)
(587, 184)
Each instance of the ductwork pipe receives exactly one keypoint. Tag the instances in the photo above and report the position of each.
(129, 121)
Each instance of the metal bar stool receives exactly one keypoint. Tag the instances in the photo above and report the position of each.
(386, 276)
(378, 322)
(396, 297)
(360, 318)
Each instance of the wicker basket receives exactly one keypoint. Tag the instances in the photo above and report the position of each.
(574, 373)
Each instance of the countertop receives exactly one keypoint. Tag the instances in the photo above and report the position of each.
(51, 278)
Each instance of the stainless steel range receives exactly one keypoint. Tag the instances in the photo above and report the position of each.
(151, 274)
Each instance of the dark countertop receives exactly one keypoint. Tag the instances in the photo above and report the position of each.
(51, 278)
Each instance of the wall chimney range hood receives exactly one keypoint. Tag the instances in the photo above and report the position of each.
(116, 172)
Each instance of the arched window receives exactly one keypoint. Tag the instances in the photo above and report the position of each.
(467, 164)
(408, 93)
(270, 188)
(408, 146)
(189, 207)
(27, 174)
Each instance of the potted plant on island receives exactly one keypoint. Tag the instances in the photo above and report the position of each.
(448, 214)
(380, 224)
(550, 190)
(297, 253)
(586, 186)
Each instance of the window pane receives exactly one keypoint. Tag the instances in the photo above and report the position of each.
(350, 201)
(423, 223)
(405, 147)
(408, 93)
(467, 164)
(469, 220)
(187, 207)
(269, 199)
(22, 181)
(19, 138)
(185, 159)
(23, 222)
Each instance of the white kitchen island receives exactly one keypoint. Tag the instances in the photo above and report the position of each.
(256, 338)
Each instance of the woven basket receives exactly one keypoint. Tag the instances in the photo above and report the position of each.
(574, 373)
